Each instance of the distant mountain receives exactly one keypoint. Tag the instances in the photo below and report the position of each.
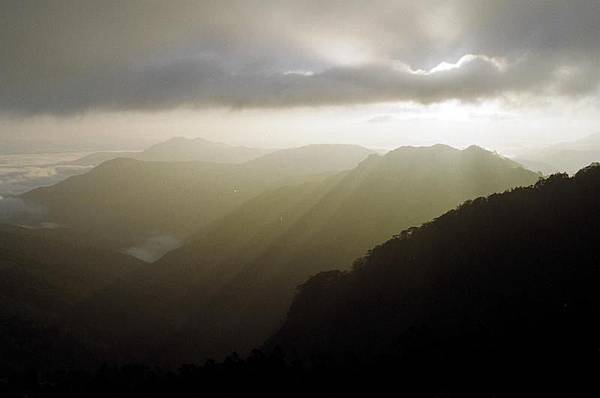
(312, 159)
(96, 158)
(42, 278)
(538, 166)
(504, 282)
(130, 201)
(566, 157)
(22, 173)
(237, 278)
(181, 149)
(199, 149)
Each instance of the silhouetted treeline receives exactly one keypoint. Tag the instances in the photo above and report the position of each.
(274, 374)
(257, 373)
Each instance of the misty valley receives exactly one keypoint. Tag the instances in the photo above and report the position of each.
(299, 198)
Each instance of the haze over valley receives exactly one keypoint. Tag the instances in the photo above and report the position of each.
(255, 197)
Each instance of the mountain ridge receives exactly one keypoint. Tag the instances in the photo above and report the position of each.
(124, 199)
(238, 277)
(181, 149)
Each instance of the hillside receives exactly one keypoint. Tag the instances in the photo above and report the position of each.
(131, 201)
(181, 149)
(238, 277)
(96, 158)
(365, 207)
(504, 282)
(25, 172)
(312, 159)
(42, 278)
(199, 149)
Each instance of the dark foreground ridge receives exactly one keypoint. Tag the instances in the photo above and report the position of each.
(504, 282)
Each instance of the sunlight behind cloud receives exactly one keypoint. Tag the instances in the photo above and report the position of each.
(445, 66)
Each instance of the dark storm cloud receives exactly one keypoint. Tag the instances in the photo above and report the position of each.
(70, 56)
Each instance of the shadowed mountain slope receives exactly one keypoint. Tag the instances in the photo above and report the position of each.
(128, 200)
(504, 281)
(42, 278)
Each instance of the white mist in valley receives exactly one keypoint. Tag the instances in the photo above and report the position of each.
(13, 209)
(154, 247)
(22, 173)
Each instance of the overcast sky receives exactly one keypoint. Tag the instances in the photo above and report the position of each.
(507, 74)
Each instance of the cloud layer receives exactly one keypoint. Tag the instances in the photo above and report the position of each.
(70, 56)
(22, 173)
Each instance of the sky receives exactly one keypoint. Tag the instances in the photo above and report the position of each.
(78, 75)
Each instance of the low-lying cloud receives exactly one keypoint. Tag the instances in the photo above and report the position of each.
(18, 180)
(22, 173)
(17, 210)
